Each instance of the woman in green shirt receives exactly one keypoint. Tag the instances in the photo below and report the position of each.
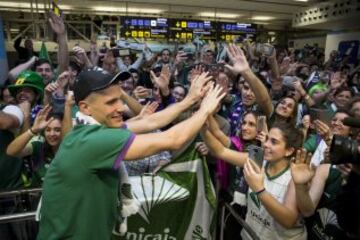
(41, 152)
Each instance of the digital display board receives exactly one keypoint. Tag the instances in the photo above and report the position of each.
(140, 27)
(230, 31)
(189, 29)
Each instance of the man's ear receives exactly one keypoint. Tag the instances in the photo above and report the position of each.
(84, 107)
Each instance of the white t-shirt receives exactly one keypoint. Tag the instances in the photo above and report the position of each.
(318, 156)
(15, 111)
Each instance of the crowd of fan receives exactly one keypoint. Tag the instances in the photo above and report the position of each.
(301, 199)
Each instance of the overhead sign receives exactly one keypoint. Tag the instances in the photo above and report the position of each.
(189, 29)
(232, 31)
(139, 27)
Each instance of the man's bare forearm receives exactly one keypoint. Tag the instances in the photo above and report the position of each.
(261, 93)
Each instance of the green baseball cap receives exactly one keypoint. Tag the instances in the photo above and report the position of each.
(28, 79)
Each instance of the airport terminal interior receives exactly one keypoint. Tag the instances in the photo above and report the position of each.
(179, 119)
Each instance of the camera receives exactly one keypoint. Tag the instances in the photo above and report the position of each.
(344, 150)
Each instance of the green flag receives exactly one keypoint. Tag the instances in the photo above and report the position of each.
(43, 54)
(177, 203)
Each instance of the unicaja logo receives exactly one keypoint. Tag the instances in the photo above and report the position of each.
(141, 235)
(197, 233)
(153, 191)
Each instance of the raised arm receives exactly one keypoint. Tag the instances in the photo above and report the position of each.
(174, 138)
(309, 184)
(15, 72)
(58, 26)
(241, 66)
(216, 131)
(218, 150)
(18, 146)
(67, 123)
(138, 62)
(131, 102)
(169, 114)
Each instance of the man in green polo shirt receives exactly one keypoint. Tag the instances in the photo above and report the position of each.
(80, 187)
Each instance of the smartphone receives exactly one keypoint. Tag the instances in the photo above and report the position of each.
(263, 48)
(56, 9)
(324, 115)
(256, 154)
(261, 125)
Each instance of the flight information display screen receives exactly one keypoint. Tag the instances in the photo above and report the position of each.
(232, 31)
(186, 30)
(140, 27)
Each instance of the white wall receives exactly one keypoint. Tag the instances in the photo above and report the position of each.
(333, 40)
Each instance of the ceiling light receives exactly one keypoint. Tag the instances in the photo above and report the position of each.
(131, 10)
(109, 9)
(144, 10)
(301, 0)
(219, 15)
(262, 18)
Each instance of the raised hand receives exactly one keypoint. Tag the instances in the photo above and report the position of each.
(57, 23)
(141, 92)
(52, 87)
(63, 79)
(238, 59)
(301, 170)
(42, 120)
(212, 99)
(181, 56)
(196, 71)
(196, 91)
(164, 79)
(261, 136)
(148, 109)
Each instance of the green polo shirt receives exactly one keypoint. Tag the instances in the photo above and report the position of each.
(81, 184)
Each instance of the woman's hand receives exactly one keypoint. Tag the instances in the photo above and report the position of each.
(301, 170)
(324, 131)
(254, 176)
(42, 120)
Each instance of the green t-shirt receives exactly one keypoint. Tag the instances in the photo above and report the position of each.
(81, 184)
(323, 224)
(311, 143)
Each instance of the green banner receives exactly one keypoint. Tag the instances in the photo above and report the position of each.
(177, 203)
